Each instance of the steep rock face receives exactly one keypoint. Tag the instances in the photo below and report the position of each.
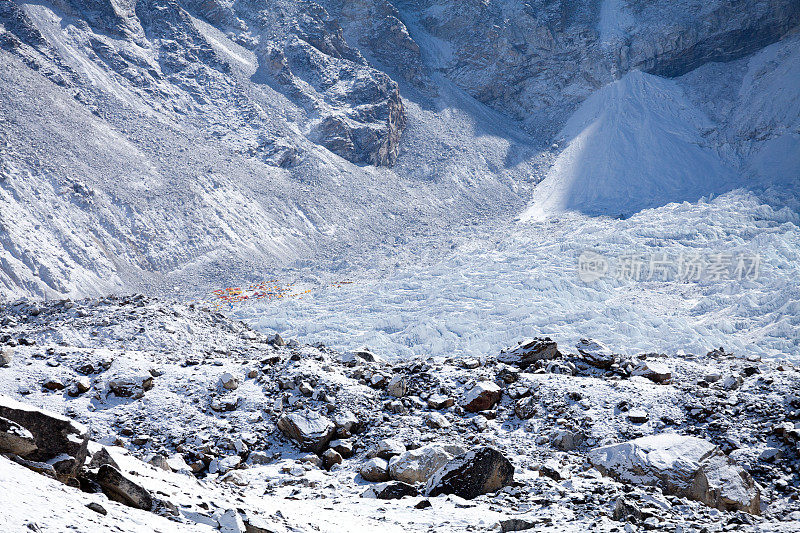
(537, 60)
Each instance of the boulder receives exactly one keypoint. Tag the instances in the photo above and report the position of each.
(529, 351)
(479, 471)
(681, 465)
(397, 386)
(123, 490)
(654, 371)
(417, 466)
(438, 401)
(53, 383)
(387, 448)
(331, 457)
(482, 397)
(392, 490)
(376, 469)
(595, 353)
(437, 421)
(54, 435)
(344, 447)
(566, 440)
(131, 386)
(228, 381)
(15, 439)
(310, 430)
(347, 420)
(6, 355)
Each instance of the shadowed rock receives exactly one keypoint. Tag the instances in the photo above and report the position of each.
(476, 472)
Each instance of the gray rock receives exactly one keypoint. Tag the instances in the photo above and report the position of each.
(529, 351)
(375, 469)
(228, 381)
(16, 439)
(123, 490)
(54, 435)
(391, 490)
(438, 401)
(595, 353)
(684, 466)
(566, 440)
(479, 471)
(6, 355)
(417, 466)
(131, 386)
(310, 430)
(331, 457)
(397, 386)
(653, 370)
(97, 508)
(387, 448)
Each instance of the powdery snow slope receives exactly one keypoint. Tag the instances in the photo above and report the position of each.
(634, 144)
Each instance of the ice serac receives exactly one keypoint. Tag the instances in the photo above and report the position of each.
(681, 465)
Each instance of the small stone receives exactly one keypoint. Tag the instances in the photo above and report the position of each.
(637, 416)
(53, 383)
(438, 402)
(437, 421)
(387, 448)
(97, 508)
(392, 490)
(397, 386)
(310, 430)
(654, 371)
(595, 353)
(331, 457)
(228, 381)
(470, 364)
(6, 356)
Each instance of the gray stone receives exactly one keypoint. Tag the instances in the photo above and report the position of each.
(54, 435)
(482, 397)
(16, 439)
(123, 490)
(310, 430)
(530, 351)
(681, 465)
(375, 469)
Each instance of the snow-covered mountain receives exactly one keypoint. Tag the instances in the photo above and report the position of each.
(188, 144)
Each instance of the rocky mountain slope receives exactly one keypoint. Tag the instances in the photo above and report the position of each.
(182, 143)
(180, 419)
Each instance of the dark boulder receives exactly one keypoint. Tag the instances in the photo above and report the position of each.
(479, 471)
